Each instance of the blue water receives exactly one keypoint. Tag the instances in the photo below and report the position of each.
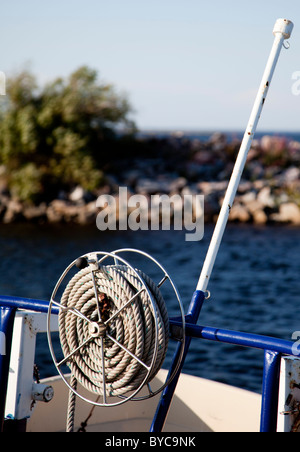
(255, 284)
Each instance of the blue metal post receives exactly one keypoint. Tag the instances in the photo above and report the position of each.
(269, 406)
(7, 316)
(167, 395)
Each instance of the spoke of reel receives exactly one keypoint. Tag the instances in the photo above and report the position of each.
(124, 306)
(74, 351)
(97, 297)
(128, 351)
(72, 309)
(103, 370)
(162, 281)
(149, 389)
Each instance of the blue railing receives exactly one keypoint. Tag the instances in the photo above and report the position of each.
(273, 348)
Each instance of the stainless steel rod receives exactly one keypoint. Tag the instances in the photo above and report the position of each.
(282, 30)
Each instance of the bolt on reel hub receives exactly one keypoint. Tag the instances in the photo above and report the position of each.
(113, 326)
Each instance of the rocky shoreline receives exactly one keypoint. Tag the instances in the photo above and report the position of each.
(268, 193)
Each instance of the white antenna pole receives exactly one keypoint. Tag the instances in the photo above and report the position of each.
(282, 30)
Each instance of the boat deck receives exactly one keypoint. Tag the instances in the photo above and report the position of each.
(199, 405)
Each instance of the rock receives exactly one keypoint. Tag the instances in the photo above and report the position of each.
(14, 211)
(61, 211)
(248, 197)
(256, 169)
(290, 175)
(259, 184)
(204, 157)
(87, 214)
(211, 187)
(244, 187)
(178, 184)
(294, 147)
(238, 213)
(283, 198)
(260, 217)
(77, 195)
(265, 197)
(35, 213)
(70, 213)
(151, 187)
(218, 141)
(55, 211)
(256, 209)
(253, 153)
(147, 186)
(273, 144)
(254, 206)
(288, 213)
(196, 145)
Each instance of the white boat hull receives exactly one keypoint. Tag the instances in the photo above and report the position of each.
(199, 405)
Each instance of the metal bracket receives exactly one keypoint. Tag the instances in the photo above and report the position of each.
(289, 395)
(20, 382)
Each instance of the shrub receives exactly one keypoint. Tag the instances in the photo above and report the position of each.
(57, 137)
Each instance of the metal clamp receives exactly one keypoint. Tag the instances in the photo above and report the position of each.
(42, 393)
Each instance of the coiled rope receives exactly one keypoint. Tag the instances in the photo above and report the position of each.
(132, 333)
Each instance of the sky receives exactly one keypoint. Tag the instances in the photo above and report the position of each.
(183, 64)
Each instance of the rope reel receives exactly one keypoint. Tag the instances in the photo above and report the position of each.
(113, 327)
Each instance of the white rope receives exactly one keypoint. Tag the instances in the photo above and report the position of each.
(133, 327)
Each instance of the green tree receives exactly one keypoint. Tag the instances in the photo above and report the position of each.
(59, 136)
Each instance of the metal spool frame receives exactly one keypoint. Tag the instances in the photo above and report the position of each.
(95, 261)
